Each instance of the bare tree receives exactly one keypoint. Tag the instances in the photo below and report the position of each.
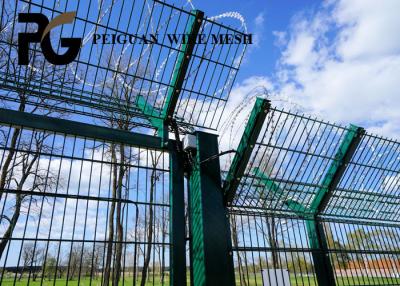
(154, 177)
(97, 257)
(119, 167)
(273, 240)
(21, 169)
(74, 260)
(26, 165)
(120, 92)
(266, 162)
(235, 243)
(33, 258)
(50, 267)
(161, 220)
(27, 257)
(61, 265)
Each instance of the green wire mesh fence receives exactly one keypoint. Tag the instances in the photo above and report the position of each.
(314, 203)
(306, 178)
(73, 207)
(364, 254)
(289, 160)
(369, 188)
(133, 77)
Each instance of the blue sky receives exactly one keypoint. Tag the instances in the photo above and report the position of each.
(338, 60)
(272, 16)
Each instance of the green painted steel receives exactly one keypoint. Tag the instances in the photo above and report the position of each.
(177, 217)
(151, 115)
(330, 181)
(311, 156)
(294, 206)
(178, 77)
(212, 261)
(245, 148)
(322, 264)
(150, 112)
(315, 233)
(197, 229)
(346, 150)
(34, 121)
(182, 64)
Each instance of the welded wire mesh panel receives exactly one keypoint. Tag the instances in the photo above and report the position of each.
(81, 211)
(369, 189)
(268, 249)
(211, 74)
(294, 160)
(128, 57)
(364, 254)
(289, 161)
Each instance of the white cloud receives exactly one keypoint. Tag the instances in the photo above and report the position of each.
(343, 62)
(280, 38)
(370, 28)
(259, 20)
(258, 30)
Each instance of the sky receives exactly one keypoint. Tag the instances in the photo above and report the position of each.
(335, 59)
(338, 60)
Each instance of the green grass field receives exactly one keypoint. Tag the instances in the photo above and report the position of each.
(299, 280)
(75, 282)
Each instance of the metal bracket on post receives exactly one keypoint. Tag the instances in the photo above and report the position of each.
(182, 64)
(150, 111)
(178, 77)
(294, 206)
(246, 145)
(212, 259)
(322, 265)
(332, 178)
(339, 164)
(315, 231)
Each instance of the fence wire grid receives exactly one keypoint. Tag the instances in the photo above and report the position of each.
(85, 210)
(71, 206)
(122, 77)
(275, 201)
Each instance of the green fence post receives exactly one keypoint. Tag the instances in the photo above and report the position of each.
(177, 217)
(246, 145)
(212, 262)
(337, 168)
(178, 76)
(324, 270)
(315, 233)
(322, 263)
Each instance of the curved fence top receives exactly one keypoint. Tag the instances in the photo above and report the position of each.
(129, 55)
(298, 166)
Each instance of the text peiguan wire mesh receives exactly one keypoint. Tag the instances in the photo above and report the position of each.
(118, 77)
